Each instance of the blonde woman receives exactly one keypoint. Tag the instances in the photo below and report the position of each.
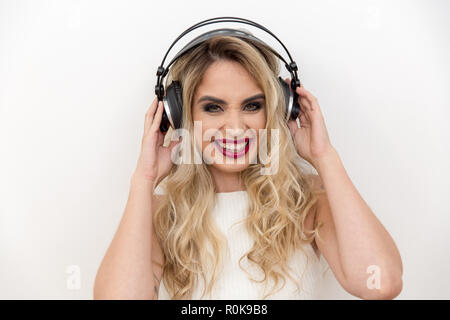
(215, 230)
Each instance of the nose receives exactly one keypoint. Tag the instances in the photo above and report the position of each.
(234, 124)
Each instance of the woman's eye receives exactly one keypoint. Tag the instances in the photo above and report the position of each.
(254, 106)
(213, 108)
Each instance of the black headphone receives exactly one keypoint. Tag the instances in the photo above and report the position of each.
(173, 101)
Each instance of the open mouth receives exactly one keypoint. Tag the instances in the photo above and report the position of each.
(234, 149)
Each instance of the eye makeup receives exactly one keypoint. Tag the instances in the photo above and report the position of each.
(213, 108)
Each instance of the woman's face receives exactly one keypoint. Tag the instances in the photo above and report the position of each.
(230, 106)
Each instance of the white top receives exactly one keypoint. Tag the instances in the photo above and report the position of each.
(232, 282)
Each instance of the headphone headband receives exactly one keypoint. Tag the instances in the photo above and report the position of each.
(222, 32)
(162, 72)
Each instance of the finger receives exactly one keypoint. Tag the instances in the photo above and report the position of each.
(151, 111)
(174, 143)
(146, 124)
(311, 103)
(305, 105)
(308, 95)
(308, 100)
(315, 105)
(147, 121)
(157, 118)
(304, 122)
(292, 124)
(149, 115)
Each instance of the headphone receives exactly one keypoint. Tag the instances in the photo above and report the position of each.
(173, 100)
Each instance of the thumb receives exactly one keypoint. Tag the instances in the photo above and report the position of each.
(174, 143)
(292, 124)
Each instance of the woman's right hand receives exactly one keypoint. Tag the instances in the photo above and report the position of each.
(154, 162)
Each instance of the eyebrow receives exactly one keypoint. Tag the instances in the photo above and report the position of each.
(217, 100)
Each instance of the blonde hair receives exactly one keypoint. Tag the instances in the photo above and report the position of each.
(278, 203)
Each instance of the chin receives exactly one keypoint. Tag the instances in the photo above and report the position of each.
(230, 168)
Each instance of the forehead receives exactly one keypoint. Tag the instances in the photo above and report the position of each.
(228, 80)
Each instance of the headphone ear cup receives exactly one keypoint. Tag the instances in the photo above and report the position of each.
(295, 111)
(174, 97)
(287, 96)
(292, 108)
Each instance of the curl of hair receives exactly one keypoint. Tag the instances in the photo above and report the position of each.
(278, 204)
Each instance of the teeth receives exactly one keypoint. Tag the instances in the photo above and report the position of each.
(231, 146)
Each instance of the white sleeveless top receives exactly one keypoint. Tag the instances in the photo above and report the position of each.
(233, 283)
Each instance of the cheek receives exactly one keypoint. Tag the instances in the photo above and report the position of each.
(257, 124)
(257, 121)
(202, 138)
(199, 134)
(208, 124)
(262, 121)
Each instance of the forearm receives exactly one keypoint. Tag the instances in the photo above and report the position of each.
(126, 269)
(362, 239)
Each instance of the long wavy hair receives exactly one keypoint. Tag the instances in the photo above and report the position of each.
(278, 203)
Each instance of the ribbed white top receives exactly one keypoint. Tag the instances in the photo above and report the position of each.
(232, 282)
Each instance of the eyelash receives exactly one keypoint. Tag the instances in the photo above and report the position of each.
(208, 106)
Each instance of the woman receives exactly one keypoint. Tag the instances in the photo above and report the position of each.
(222, 229)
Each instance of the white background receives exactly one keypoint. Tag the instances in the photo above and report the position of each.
(76, 78)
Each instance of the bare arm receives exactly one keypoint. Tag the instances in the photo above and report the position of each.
(126, 271)
(354, 240)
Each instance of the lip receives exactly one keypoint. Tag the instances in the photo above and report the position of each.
(234, 141)
(231, 154)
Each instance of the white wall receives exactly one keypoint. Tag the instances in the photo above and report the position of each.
(77, 77)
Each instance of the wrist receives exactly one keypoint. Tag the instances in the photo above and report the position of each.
(326, 159)
(139, 179)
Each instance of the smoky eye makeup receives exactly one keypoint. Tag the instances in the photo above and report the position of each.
(215, 108)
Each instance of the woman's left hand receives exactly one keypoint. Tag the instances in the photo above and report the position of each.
(311, 139)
